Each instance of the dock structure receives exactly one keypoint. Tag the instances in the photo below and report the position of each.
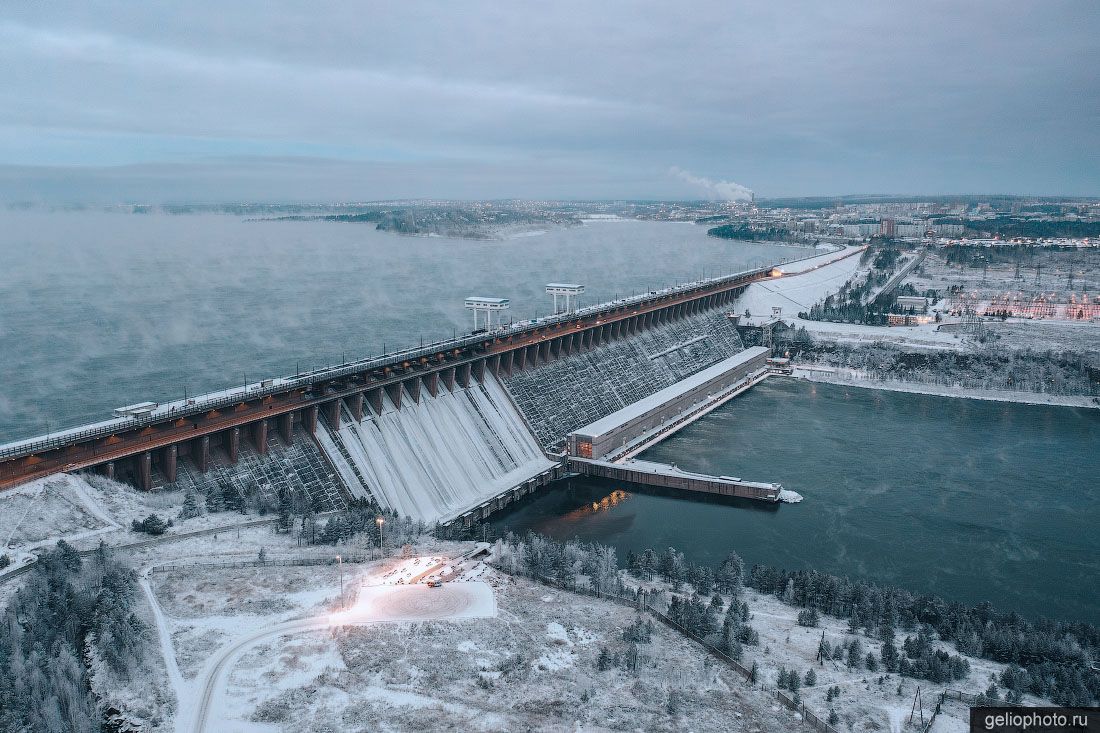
(671, 477)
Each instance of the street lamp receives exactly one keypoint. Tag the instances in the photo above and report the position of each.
(340, 562)
(379, 521)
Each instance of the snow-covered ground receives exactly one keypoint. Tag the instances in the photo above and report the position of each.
(275, 648)
(209, 618)
(868, 700)
(51, 508)
(857, 378)
(85, 509)
(864, 702)
(531, 666)
(816, 279)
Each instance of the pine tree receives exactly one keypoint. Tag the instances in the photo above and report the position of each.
(855, 654)
(285, 521)
(890, 656)
(811, 678)
(190, 506)
(730, 575)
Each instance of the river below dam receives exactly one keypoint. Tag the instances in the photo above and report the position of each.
(967, 499)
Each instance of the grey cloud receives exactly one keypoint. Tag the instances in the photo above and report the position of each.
(791, 97)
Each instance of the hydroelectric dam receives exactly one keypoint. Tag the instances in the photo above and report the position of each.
(449, 431)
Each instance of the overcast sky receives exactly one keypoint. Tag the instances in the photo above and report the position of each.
(469, 99)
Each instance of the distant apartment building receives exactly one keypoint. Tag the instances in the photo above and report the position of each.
(858, 231)
(905, 319)
(947, 230)
(910, 230)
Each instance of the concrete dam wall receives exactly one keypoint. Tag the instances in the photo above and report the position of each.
(439, 457)
(432, 433)
(296, 470)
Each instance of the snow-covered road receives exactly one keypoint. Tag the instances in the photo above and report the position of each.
(376, 604)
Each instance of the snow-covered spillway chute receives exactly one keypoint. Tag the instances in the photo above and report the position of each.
(442, 456)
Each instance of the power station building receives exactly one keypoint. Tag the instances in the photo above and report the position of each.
(611, 433)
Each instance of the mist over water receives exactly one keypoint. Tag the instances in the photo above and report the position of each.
(971, 500)
(101, 309)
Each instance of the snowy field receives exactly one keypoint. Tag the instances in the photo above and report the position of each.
(273, 648)
(279, 649)
(208, 617)
(816, 279)
(56, 507)
(532, 666)
(856, 378)
(865, 702)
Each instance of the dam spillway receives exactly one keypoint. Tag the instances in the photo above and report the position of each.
(436, 458)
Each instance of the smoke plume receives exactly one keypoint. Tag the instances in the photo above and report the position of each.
(724, 190)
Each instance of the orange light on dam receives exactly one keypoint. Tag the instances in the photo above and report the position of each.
(776, 272)
(613, 499)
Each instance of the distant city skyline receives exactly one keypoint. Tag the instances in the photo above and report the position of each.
(341, 102)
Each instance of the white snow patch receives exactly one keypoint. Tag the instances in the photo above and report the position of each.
(554, 660)
(43, 511)
(557, 634)
(818, 278)
(789, 497)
